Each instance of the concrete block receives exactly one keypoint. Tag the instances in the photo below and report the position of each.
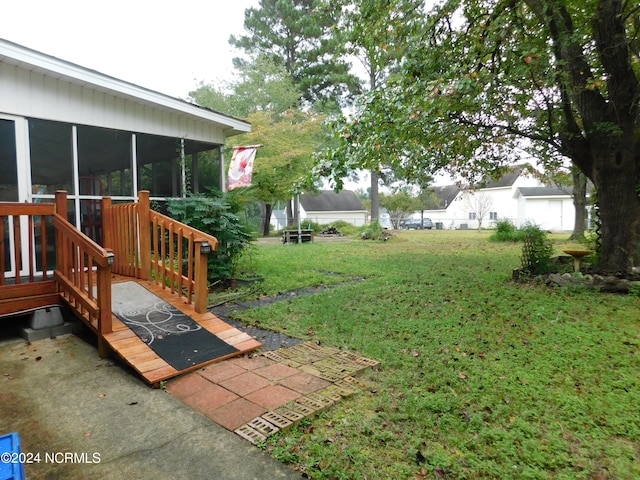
(64, 329)
(46, 318)
(31, 335)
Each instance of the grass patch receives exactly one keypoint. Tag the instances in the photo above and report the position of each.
(480, 377)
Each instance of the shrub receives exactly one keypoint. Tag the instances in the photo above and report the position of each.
(343, 227)
(536, 250)
(374, 231)
(309, 225)
(215, 214)
(506, 232)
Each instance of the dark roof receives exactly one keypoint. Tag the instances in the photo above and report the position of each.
(330, 201)
(545, 191)
(446, 194)
(506, 180)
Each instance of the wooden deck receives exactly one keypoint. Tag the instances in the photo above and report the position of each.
(167, 257)
(153, 369)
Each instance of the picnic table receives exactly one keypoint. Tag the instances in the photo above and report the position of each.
(297, 236)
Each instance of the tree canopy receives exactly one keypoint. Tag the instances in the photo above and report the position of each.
(264, 95)
(300, 36)
(486, 82)
(261, 85)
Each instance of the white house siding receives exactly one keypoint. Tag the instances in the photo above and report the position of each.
(357, 219)
(31, 94)
(36, 85)
(504, 205)
(550, 213)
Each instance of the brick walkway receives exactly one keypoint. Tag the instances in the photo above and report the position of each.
(257, 395)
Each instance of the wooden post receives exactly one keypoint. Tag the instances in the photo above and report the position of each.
(104, 304)
(200, 280)
(144, 219)
(107, 223)
(61, 203)
(61, 209)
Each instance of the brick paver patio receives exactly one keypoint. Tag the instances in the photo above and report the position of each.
(258, 394)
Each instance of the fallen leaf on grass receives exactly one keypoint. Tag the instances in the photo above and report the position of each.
(439, 472)
(462, 375)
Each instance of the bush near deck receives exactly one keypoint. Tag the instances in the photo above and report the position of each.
(480, 377)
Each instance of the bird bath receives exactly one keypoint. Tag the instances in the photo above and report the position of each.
(577, 256)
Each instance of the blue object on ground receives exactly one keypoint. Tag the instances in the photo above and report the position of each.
(11, 466)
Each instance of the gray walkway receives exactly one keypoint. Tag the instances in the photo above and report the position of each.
(90, 419)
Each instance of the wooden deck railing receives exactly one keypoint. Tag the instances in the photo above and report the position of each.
(154, 247)
(32, 290)
(81, 274)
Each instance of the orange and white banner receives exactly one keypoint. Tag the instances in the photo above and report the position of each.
(241, 167)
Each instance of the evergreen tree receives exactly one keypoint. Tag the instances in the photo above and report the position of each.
(300, 36)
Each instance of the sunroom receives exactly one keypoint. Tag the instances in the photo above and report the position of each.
(87, 163)
(64, 127)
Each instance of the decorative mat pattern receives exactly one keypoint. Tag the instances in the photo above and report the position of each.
(172, 334)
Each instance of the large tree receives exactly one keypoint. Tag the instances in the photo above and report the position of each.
(490, 81)
(264, 94)
(283, 163)
(394, 21)
(258, 86)
(300, 36)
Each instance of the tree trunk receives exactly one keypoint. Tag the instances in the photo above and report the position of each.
(266, 218)
(375, 197)
(290, 213)
(579, 204)
(619, 209)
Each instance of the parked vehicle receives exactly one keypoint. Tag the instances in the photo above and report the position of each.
(416, 224)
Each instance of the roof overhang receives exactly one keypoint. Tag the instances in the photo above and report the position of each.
(37, 62)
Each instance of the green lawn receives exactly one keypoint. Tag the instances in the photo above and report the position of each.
(479, 377)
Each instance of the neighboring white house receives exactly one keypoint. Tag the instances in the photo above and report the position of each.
(326, 207)
(516, 196)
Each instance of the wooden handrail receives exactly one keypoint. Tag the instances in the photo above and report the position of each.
(152, 246)
(34, 217)
(82, 270)
(83, 274)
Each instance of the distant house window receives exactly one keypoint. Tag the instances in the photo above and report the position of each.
(493, 215)
(472, 215)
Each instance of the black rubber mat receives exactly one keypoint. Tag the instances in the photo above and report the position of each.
(173, 335)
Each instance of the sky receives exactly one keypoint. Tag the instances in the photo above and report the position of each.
(166, 46)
